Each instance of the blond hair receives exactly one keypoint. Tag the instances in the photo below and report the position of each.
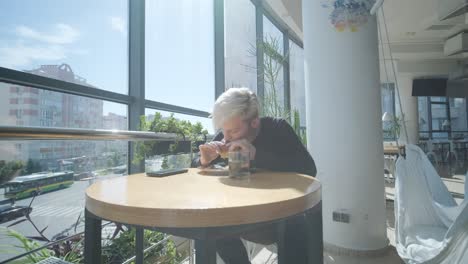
(234, 102)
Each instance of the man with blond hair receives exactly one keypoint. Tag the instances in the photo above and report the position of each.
(273, 145)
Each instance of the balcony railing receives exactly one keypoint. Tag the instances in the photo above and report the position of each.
(54, 133)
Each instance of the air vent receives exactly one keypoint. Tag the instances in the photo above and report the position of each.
(451, 8)
(456, 44)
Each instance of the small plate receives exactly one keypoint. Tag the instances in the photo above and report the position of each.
(218, 170)
(215, 170)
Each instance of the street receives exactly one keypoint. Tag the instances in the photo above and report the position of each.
(57, 210)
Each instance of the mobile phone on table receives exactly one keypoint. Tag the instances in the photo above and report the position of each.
(164, 173)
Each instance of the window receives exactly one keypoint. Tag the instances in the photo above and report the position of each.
(51, 39)
(60, 44)
(180, 160)
(240, 44)
(273, 101)
(442, 117)
(86, 158)
(206, 122)
(388, 105)
(180, 53)
(458, 117)
(423, 118)
(440, 124)
(297, 82)
(388, 98)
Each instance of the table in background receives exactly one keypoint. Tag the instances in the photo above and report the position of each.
(391, 154)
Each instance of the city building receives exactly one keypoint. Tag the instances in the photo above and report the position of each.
(27, 106)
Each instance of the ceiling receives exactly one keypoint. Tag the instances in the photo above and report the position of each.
(414, 30)
(417, 21)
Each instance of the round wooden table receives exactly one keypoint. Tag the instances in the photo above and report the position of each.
(197, 201)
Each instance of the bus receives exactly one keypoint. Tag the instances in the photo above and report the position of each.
(34, 184)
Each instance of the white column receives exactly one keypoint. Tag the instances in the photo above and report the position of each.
(409, 105)
(344, 125)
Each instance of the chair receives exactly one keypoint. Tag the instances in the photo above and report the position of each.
(431, 154)
(429, 225)
(452, 158)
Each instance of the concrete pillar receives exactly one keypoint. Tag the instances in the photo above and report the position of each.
(409, 105)
(344, 121)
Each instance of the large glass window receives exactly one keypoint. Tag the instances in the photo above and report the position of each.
(86, 42)
(60, 203)
(273, 101)
(458, 117)
(388, 98)
(388, 106)
(297, 82)
(205, 122)
(180, 53)
(182, 159)
(240, 44)
(442, 117)
(27, 106)
(440, 123)
(423, 118)
(50, 38)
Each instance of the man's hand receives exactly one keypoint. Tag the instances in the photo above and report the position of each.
(210, 151)
(243, 145)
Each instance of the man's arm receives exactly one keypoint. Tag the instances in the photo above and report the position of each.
(290, 154)
(196, 161)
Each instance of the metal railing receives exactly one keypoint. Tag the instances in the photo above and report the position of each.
(55, 133)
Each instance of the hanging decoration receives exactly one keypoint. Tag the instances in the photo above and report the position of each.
(348, 14)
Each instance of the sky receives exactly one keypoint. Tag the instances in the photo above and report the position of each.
(92, 37)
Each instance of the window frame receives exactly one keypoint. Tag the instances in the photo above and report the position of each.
(429, 118)
(135, 99)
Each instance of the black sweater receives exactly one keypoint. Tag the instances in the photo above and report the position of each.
(277, 148)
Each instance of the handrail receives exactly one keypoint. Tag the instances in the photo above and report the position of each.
(55, 133)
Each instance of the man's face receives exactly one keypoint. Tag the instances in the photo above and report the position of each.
(237, 128)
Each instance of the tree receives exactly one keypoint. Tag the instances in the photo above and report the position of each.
(8, 170)
(32, 167)
(188, 131)
(273, 63)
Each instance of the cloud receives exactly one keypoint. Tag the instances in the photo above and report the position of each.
(61, 34)
(118, 24)
(31, 45)
(20, 55)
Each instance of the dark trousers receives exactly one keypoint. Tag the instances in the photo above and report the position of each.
(232, 250)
